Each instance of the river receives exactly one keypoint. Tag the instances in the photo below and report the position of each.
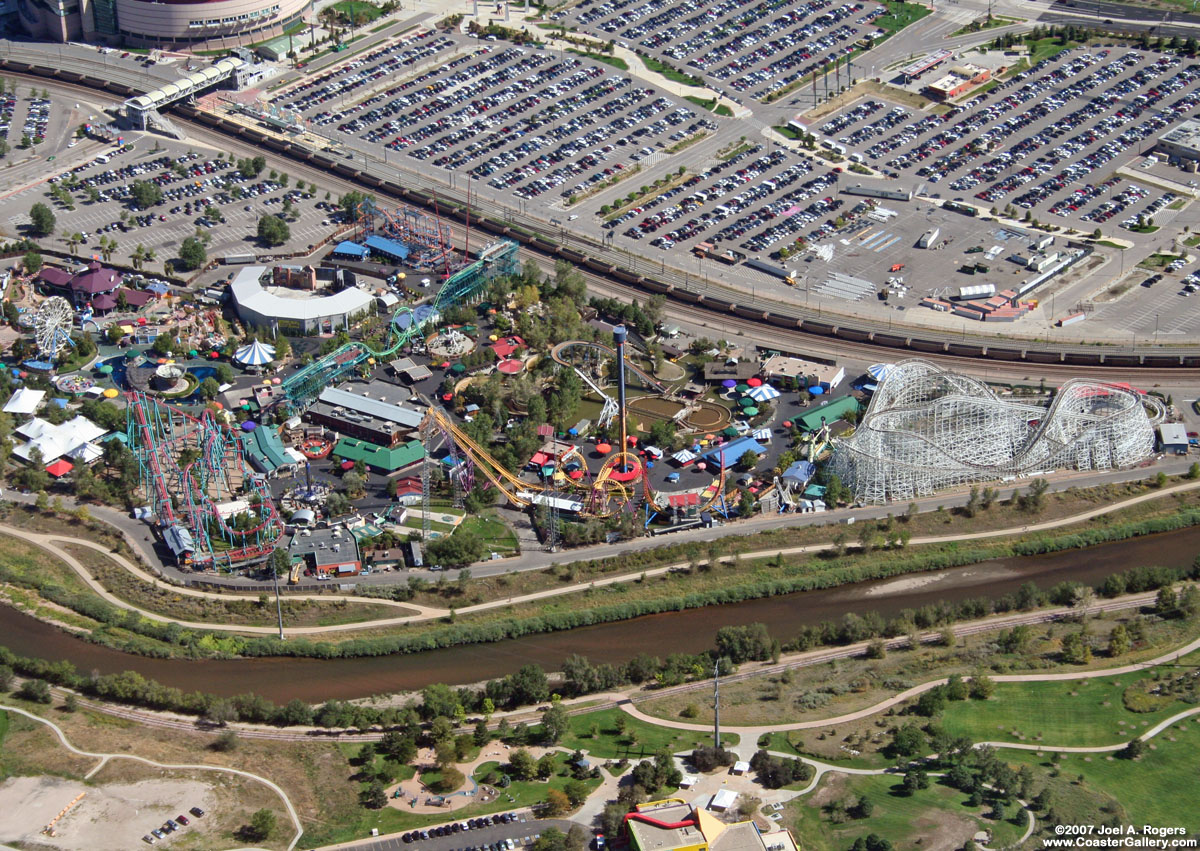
(692, 631)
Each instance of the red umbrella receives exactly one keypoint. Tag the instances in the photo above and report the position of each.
(576, 474)
(603, 448)
(447, 396)
(632, 440)
(787, 423)
(755, 382)
(214, 355)
(347, 465)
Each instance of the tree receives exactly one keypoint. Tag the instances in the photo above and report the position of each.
(41, 220)
(982, 687)
(209, 388)
(1076, 649)
(226, 742)
(35, 691)
(555, 723)
(31, 262)
(6, 678)
(1118, 641)
(522, 765)
(907, 740)
(192, 254)
(557, 802)
(273, 230)
(546, 766)
(1133, 750)
(262, 824)
(145, 194)
(749, 460)
(373, 797)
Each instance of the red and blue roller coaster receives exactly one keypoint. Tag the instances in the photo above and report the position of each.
(213, 511)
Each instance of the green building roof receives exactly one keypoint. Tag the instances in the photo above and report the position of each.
(264, 445)
(352, 449)
(831, 411)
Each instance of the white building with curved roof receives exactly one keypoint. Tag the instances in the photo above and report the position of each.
(289, 311)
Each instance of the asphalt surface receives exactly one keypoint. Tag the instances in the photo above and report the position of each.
(523, 832)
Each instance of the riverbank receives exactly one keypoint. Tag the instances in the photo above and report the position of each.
(675, 588)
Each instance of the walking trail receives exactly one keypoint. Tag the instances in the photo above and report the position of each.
(50, 543)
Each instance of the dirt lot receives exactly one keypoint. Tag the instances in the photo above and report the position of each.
(110, 817)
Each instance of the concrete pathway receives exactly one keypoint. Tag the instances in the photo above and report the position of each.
(105, 757)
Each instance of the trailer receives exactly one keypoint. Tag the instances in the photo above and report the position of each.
(874, 192)
(975, 291)
(929, 238)
(1071, 320)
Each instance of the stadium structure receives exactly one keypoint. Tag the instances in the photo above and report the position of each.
(927, 429)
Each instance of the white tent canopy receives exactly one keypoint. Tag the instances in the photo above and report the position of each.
(763, 393)
(255, 354)
(24, 401)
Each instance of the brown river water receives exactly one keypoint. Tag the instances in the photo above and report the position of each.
(691, 631)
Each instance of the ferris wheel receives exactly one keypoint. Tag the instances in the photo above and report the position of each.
(52, 326)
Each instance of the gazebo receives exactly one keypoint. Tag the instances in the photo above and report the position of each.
(255, 354)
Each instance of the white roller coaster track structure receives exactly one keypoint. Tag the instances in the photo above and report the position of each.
(927, 429)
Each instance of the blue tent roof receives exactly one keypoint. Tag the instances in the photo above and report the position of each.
(733, 451)
(387, 247)
(350, 249)
(801, 471)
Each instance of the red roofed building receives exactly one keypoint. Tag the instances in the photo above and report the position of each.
(136, 299)
(505, 346)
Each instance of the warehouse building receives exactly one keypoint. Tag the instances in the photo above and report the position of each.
(1182, 141)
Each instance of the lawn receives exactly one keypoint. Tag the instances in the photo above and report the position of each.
(933, 817)
(351, 9)
(1157, 789)
(615, 61)
(1077, 713)
(670, 73)
(495, 534)
(899, 16)
(3, 726)
(710, 104)
(610, 743)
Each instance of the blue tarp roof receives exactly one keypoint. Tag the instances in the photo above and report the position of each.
(350, 249)
(801, 471)
(734, 450)
(387, 247)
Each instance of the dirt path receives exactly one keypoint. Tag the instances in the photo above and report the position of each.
(105, 757)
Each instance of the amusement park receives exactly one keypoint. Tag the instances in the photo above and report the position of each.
(393, 403)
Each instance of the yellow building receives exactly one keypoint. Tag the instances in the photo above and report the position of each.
(674, 825)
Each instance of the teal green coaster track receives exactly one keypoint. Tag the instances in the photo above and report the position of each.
(496, 260)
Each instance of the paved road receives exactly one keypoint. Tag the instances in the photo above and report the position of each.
(522, 832)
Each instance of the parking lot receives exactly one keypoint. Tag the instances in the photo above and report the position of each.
(523, 831)
(752, 48)
(201, 194)
(1046, 141)
(523, 121)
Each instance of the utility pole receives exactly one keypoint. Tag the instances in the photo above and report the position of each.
(717, 704)
(278, 605)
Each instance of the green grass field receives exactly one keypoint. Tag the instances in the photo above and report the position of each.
(615, 61)
(1157, 789)
(670, 73)
(648, 738)
(1077, 713)
(933, 817)
(358, 9)
(899, 16)
(495, 534)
